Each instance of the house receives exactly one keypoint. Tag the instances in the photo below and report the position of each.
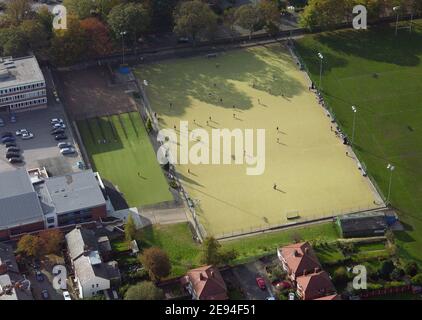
(22, 85)
(30, 205)
(86, 253)
(365, 224)
(13, 286)
(315, 285)
(205, 283)
(298, 259)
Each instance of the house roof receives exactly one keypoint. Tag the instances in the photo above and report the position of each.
(75, 191)
(300, 258)
(208, 283)
(18, 71)
(316, 285)
(19, 202)
(330, 297)
(80, 240)
(85, 271)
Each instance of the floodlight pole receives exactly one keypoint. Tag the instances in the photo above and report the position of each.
(321, 57)
(354, 123)
(411, 22)
(123, 46)
(391, 169)
(396, 9)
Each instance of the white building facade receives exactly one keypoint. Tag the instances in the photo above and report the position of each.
(22, 85)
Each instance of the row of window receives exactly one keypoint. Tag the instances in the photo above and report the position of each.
(22, 96)
(22, 88)
(26, 104)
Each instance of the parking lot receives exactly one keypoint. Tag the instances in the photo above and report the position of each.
(41, 150)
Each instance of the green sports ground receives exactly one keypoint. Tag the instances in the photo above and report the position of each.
(258, 88)
(127, 158)
(381, 74)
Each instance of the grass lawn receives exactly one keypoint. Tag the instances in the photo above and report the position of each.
(127, 152)
(382, 76)
(175, 239)
(257, 246)
(304, 158)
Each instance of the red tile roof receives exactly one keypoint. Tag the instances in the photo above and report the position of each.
(208, 283)
(330, 297)
(315, 285)
(300, 258)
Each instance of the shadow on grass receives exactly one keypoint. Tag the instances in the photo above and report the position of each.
(212, 80)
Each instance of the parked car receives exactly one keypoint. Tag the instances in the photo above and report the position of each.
(57, 131)
(56, 96)
(1, 122)
(12, 155)
(11, 144)
(13, 118)
(56, 120)
(6, 134)
(13, 149)
(59, 125)
(261, 283)
(66, 144)
(45, 294)
(21, 132)
(282, 285)
(60, 137)
(8, 139)
(39, 276)
(67, 151)
(66, 295)
(27, 136)
(183, 40)
(16, 160)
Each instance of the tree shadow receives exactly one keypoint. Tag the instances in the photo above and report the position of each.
(172, 86)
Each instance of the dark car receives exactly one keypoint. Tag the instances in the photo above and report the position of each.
(10, 144)
(39, 276)
(45, 294)
(13, 149)
(60, 137)
(8, 139)
(57, 131)
(12, 155)
(16, 160)
(6, 134)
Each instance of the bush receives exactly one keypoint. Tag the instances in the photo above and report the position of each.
(340, 275)
(386, 269)
(347, 248)
(411, 268)
(144, 291)
(417, 280)
(397, 274)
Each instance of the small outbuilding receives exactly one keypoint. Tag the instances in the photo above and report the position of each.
(364, 224)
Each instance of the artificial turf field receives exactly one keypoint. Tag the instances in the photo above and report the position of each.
(314, 176)
(127, 152)
(381, 75)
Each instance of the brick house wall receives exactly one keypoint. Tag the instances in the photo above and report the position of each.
(99, 212)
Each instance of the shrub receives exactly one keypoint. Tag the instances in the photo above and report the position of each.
(411, 268)
(417, 280)
(397, 274)
(340, 275)
(386, 269)
(144, 291)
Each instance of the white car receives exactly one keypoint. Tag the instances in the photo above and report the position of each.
(27, 135)
(67, 151)
(21, 132)
(56, 120)
(58, 125)
(66, 295)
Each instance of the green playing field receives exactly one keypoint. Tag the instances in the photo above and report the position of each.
(127, 159)
(381, 75)
(257, 88)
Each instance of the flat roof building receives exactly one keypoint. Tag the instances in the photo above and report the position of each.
(22, 84)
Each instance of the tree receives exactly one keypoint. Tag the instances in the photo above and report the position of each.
(36, 36)
(213, 254)
(229, 19)
(130, 18)
(270, 15)
(17, 11)
(157, 262)
(411, 268)
(145, 290)
(247, 17)
(194, 18)
(81, 9)
(13, 42)
(30, 246)
(386, 269)
(397, 274)
(99, 43)
(130, 229)
(161, 12)
(340, 275)
(51, 240)
(417, 280)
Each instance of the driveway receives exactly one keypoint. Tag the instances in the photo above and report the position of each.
(246, 275)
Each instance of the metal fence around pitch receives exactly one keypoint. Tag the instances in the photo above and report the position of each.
(330, 110)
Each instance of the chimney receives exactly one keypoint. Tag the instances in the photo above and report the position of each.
(305, 272)
(317, 269)
(306, 250)
(212, 273)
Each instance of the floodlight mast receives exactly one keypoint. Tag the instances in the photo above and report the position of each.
(321, 58)
(391, 168)
(354, 123)
(396, 9)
